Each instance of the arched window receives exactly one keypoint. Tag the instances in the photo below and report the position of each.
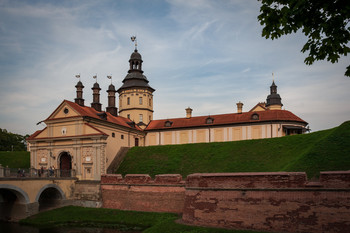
(168, 124)
(255, 116)
(209, 120)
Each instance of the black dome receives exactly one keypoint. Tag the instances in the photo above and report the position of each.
(135, 56)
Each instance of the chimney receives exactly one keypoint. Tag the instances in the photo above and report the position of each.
(111, 101)
(239, 107)
(188, 112)
(96, 97)
(79, 100)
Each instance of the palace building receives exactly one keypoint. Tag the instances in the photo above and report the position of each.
(88, 140)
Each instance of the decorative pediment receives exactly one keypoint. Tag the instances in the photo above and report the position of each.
(64, 110)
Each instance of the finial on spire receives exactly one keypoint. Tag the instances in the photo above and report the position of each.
(133, 39)
(110, 77)
(273, 79)
(77, 76)
(95, 77)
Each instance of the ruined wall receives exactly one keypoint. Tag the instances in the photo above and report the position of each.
(276, 202)
(282, 202)
(166, 193)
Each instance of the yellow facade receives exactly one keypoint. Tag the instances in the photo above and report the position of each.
(137, 105)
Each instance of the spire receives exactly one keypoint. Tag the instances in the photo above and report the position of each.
(79, 100)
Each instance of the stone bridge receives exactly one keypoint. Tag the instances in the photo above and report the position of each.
(22, 197)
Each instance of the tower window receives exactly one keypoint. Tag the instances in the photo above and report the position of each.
(150, 102)
(122, 136)
(140, 100)
(128, 100)
(141, 118)
(113, 135)
(128, 116)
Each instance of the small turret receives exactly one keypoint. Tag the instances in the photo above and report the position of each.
(273, 101)
(111, 101)
(79, 100)
(96, 97)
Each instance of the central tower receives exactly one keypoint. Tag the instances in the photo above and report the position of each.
(136, 95)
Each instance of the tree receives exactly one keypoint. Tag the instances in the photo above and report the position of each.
(10, 141)
(326, 23)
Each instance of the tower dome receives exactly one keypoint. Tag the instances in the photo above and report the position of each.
(273, 101)
(136, 95)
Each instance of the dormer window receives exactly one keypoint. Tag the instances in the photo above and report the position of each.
(255, 116)
(209, 120)
(168, 124)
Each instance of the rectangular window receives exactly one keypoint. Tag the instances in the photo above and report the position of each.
(128, 100)
(128, 116)
(140, 100)
(141, 118)
(122, 136)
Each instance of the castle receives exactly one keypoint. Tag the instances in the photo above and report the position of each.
(87, 139)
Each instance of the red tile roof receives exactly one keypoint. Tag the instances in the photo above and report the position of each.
(31, 137)
(91, 112)
(226, 119)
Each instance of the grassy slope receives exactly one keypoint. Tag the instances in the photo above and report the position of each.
(125, 220)
(320, 151)
(15, 159)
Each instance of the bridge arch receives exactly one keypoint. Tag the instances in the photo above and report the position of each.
(50, 196)
(13, 202)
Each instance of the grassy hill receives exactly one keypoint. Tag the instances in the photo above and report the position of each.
(325, 150)
(15, 159)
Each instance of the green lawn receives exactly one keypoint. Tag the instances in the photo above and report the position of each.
(15, 159)
(126, 220)
(325, 150)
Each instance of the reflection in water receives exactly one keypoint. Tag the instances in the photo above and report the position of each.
(6, 227)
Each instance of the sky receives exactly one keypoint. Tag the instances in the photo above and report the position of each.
(203, 54)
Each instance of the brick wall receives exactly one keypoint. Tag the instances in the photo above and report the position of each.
(166, 193)
(277, 202)
(282, 202)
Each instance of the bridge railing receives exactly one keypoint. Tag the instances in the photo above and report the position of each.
(35, 173)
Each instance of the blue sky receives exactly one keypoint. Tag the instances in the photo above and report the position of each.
(203, 54)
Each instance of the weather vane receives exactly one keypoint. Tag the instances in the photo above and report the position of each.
(78, 76)
(110, 77)
(95, 77)
(133, 39)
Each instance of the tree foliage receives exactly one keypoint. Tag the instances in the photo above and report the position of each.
(10, 141)
(326, 23)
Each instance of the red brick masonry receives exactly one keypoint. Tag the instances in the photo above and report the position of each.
(166, 193)
(279, 201)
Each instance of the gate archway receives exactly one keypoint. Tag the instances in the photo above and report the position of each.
(13, 203)
(50, 196)
(65, 161)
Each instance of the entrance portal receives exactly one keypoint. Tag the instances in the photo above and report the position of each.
(65, 164)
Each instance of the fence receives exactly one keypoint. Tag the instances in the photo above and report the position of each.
(35, 173)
